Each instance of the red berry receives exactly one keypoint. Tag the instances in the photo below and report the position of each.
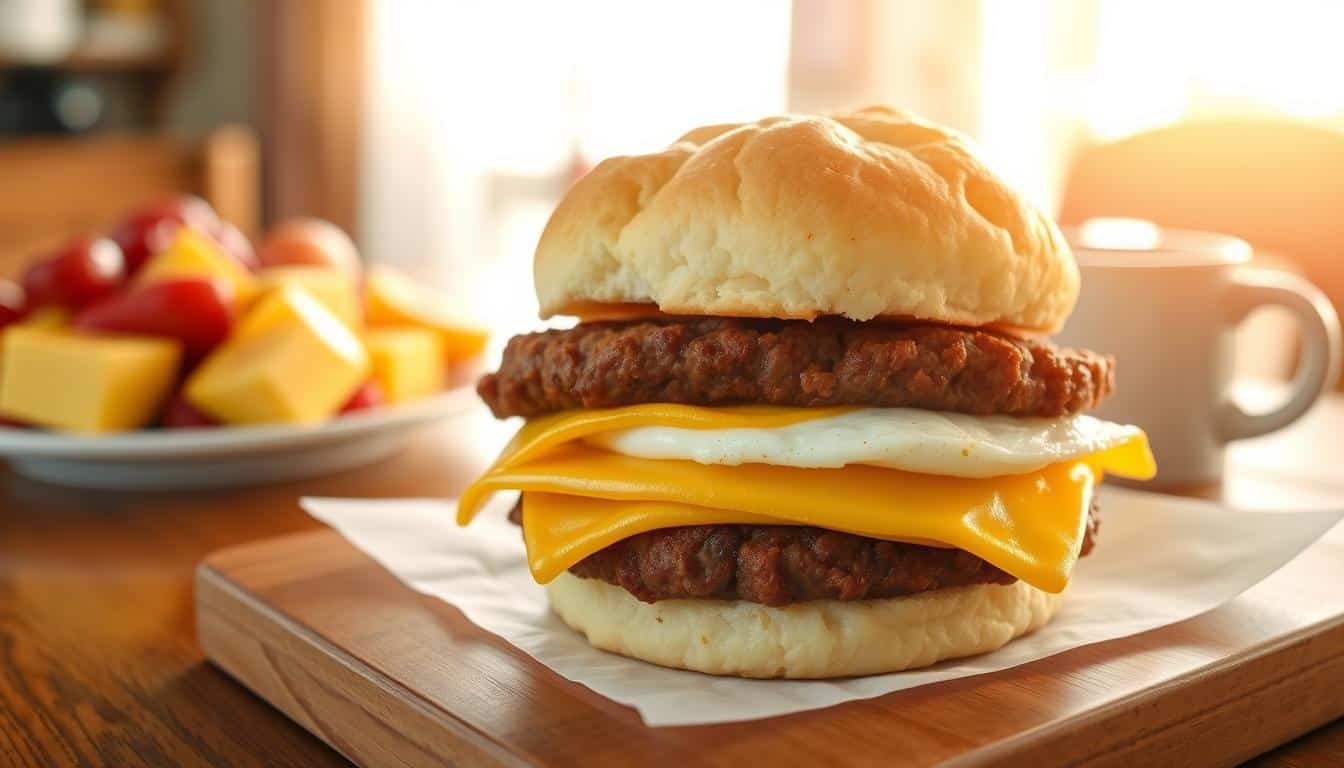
(196, 311)
(13, 303)
(146, 232)
(369, 395)
(179, 414)
(84, 271)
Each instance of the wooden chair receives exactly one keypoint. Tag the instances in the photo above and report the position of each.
(1278, 185)
(53, 189)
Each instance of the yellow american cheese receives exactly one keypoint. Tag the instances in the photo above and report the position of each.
(192, 254)
(335, 288)
(1029, 525)
(286, 306)
(561, 530)
(579, 499)
(290, 360)
(395, 300)
(407, 362)
(47, 317)
(90, 384)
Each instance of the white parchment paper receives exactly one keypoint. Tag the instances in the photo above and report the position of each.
(1158, 560)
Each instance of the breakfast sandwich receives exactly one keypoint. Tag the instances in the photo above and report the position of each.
(807, 425)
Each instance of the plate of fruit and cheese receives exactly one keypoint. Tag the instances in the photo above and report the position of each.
(171, 355)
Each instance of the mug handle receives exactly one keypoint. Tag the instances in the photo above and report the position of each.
(1318, 367)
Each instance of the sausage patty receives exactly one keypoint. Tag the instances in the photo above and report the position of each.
(722, 361)
(782, 564)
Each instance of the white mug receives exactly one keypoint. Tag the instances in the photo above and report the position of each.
(1165, 303)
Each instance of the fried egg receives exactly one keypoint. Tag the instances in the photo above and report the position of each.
(910, 439)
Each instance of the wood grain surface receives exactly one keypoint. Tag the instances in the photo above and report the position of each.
(54, 189)
(283, 616)
(331, 638)
(99, 663)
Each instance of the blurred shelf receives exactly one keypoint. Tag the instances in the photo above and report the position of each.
(152, 63)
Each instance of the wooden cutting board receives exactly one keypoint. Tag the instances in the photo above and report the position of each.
(392, 678)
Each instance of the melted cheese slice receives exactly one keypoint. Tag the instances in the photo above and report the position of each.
(927, 442)
(1029, 525)
(579, 499)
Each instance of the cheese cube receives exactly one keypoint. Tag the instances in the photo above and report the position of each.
(48, 317)
(286, 306)
(192, 254)
(296, 363)
(407, 362)
(56, 379)
(335, 288)
(392, 300)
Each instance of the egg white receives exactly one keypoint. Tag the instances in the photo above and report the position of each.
(909, 439)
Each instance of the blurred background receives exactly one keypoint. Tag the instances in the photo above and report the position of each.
(440, 134)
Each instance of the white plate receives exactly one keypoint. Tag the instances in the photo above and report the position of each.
(218, 457)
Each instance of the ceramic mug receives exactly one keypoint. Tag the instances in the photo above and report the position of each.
(1165, 304)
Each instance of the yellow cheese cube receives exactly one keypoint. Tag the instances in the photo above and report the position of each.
(407, 362)
(85, 383)
(282, 307)
(392, 299)
(300, 367)
(335, 288)
(192, 254)
(48, 317)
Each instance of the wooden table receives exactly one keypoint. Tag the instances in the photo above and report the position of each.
(98, 659)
